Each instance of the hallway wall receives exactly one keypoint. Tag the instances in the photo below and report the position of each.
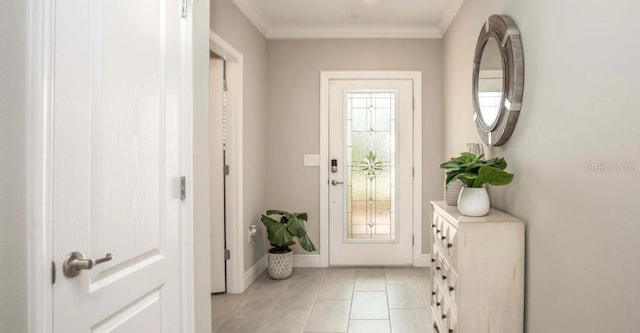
(13, 167)
(580, 113)
(294, 68)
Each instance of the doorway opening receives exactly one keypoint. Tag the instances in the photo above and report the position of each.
(226, 203)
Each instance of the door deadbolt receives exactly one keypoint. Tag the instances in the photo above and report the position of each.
(76, 261)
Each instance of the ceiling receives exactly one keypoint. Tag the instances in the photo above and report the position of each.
(289, 19)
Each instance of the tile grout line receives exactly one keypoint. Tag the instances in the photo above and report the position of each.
(386, 290)
(353, 295)
(315, 300)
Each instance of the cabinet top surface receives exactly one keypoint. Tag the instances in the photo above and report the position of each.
(493, 216)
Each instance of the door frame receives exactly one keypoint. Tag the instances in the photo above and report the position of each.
(325, 78)
(39, 108)
(235, 235)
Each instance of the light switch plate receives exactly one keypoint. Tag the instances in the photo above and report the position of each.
(311, 160)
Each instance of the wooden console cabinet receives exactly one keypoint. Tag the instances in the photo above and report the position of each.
(477, 272)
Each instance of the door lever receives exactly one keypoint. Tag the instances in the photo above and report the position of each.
(335, 182)
(76, 261)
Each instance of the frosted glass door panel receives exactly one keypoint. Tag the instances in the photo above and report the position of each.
(370, 163)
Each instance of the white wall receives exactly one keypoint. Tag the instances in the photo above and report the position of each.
(13, 234)
(294, 113)
(228, 22)
(581, 105)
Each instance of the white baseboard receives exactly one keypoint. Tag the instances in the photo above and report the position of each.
(423, 261)
(313, 260)
(306, 260)
(255, 271)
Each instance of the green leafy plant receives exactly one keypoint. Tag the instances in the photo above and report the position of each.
(281, 233)
(474, 171)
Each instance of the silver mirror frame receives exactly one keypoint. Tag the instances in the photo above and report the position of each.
(503, 29)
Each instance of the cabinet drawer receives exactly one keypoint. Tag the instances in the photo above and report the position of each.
(436, 228)
(445, 236)
(451, 288)
(444, 277)
(437, 324)
(437, 267)
(449, 325)
(452, 323)
(439, 318)
(450, 243)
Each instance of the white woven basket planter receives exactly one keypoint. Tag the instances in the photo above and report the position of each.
(452, 192)
(280, 265)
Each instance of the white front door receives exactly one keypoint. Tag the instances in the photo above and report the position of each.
(370, 190)
(118, 98)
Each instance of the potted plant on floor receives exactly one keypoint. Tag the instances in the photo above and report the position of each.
(475, 172)
(281, 234)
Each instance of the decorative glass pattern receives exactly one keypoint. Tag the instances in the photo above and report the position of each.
(371, 158)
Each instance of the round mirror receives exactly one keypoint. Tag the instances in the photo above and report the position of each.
(490, 85)
(498, 77)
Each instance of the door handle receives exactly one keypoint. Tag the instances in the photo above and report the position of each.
(335, 182)
(76, 261)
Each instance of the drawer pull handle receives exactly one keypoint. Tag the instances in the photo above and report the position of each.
(433, 225)
(433, 293)
(433, 260)
(444, 277)
(437, 303)
(449, 245)
(450, 288)
(444, 316)
(444, 237)
(437, 268)
(450, 331)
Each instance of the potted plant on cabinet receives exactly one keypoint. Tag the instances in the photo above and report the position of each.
(281, 234)
(475, 172)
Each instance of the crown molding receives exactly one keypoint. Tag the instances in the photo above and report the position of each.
(253, 16)
(449, 14)
(351, 32)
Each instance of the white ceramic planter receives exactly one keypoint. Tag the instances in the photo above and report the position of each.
(474, 201)
(280, 265)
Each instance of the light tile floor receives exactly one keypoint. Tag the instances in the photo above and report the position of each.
(354, 300)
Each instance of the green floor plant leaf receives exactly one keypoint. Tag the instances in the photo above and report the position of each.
(281, 232)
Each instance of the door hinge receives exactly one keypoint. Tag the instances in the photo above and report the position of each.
(226, 170)
(183, 187)
(413, 172)
(227, 254)
(183, 9)
(413, 239)
(53, 272)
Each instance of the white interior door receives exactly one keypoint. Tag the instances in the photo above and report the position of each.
(370, 190)
(218, 263)
(118, 91)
